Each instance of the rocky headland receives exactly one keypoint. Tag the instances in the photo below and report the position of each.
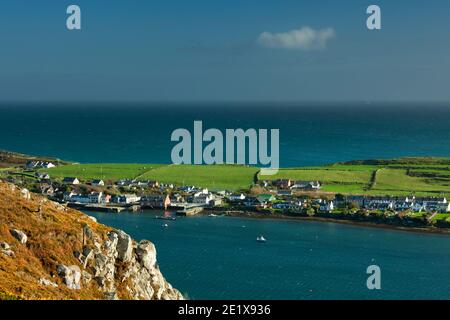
(49, 251)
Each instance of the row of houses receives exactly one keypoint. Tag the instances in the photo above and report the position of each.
(35, 164)
(139, 183)
(121, 183)
(101, 198)
(282, 200)
(288, 184)
(416, 204)
(156, 201)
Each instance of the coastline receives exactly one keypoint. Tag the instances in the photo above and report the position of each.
(368, 224)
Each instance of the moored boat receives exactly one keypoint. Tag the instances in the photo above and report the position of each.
(261, 239)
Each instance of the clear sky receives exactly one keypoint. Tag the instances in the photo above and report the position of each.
(233, 50)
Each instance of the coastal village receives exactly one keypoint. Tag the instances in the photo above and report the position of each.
(266, 198)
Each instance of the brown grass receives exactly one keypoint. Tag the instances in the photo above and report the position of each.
(53, 236)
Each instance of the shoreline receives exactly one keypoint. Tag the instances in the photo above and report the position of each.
(256, 215)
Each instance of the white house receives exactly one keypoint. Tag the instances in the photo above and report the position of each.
(48, 165)
(39, 164)
(79, 198)
(127, 198)
(237, 197)
(201, 192)
(306, 185)
(203, 198)
(42, 175)
(95, 197)
(403, 205)
(97, 183)
(327, 206)
(70, 180)
(418, 207)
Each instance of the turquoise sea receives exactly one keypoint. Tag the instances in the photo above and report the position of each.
(219, 258)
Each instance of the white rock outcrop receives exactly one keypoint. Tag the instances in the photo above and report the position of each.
(118, 261)
(6, 249)
(146, 253)
(124, 246)
(19, 235)
(71, 276)
(46, 282)
(25, 194)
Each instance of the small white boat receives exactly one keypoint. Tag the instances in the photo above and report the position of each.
(165, 225)
(212, 215)
(261, 239)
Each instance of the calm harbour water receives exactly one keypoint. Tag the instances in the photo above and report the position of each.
(219, 258)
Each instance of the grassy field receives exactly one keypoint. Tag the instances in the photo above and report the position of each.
(335, 178)
(442, 216)
(428, 178)
(398, 179)
(100, 171)
(325, 174)
(230, 177)
(214, 177)
(421, 176)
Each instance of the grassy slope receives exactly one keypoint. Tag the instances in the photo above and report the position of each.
(216, 177)
(424, 176)
(397, 181)
(101, 171)
(334, 180)
(53, 236)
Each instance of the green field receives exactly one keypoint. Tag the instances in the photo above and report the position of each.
(336, 178)
(325, 174)
(442, 216)
(398, 179)
(421, 176)
(230, 177)
(430, 178)
(106, 172)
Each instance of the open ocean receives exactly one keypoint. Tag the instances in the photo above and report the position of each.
(214, 258)
(309, 134)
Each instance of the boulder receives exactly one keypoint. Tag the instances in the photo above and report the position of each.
(100, 262)
(70, 275)
(124, 246)
(25, 194)
(146, 253)
(5, 249)
(4, 246)
(88, 233)
(8, 253)
(19, 235)
(86, 276)
(93, 218)
(87, 255)
(46, 282)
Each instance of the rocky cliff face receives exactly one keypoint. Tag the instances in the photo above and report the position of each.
(48, 251)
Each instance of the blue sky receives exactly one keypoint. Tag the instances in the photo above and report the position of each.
(198, 50)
